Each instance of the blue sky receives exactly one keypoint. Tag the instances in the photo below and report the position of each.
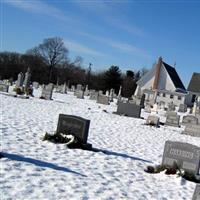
(129, 34)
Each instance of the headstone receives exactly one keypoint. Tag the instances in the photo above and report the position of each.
(3, 87)
(20, 78)
(189, 119)
(27, 79)
(111, 95)
(182, 108)
(74, 125)
(35, 85)
(107, 93)
(79, 87)
(120, 92)
(102, 99)
(47, 92)
(93, 95)
(64, 89)
(172, 119)
(152, 120)
(128, 109)
(72, 88)
(185, 156)
(80, 94)
(101, 92)
(87, 92)
(196, 195)
(192, 129)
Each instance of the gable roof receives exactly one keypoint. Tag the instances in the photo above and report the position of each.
(194, 85)
(174, 76)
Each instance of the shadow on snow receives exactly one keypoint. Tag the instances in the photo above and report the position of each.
(39, 163)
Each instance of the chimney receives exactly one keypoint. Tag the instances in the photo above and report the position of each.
(157, 73)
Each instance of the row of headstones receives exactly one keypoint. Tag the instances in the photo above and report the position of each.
(185, 156)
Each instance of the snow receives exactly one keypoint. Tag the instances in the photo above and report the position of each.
(36, 169)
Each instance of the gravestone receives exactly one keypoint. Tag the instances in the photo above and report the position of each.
(192, 129)
(196, 195)
(27, 79)
(101, 92)
(182, 108)
(20, 78)
(80, 94)
(172, 119)
(128, 109)
(111, 95)
(102, 99)
(79, 87)
(72, 88)
(64, 89)
(189, 119)
(93, 95)
(87, 92)
(35, 85)
(74, 125)
(152, 120)
(47, 92)
(186, 156)
(4, 87)
(107, 93)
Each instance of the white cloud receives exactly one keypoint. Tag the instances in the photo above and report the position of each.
(78, 48)
(39, 7)
(124, 47)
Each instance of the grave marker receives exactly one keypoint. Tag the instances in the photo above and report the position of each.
(102, 99)
(74, 125)
(4, 87)
(189, 119)
(192, 129)
(186, 156)
(172, 119)
(196, 195)
(128, 109)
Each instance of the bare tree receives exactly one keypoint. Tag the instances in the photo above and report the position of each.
(53, 52)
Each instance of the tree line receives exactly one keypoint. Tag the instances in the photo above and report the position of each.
(49, 62)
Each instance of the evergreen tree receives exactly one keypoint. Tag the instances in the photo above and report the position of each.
(112, 78)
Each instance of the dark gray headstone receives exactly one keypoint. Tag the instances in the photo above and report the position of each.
(172, 119)
(102, 99)
(4, 88)
(152, 120)
(128, 109)
(189, 119)
(74, 125)
(192, 129)
(185, 156)
(196, 195)
(182, 108)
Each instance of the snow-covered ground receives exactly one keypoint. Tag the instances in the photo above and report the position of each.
(36, 169)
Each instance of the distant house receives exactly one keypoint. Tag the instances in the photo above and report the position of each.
(193, 89)
(161, 85)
